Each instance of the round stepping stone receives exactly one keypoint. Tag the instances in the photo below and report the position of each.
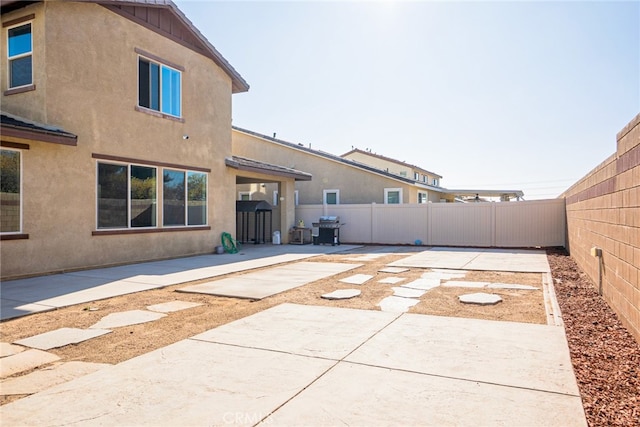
(480, 298)
(342, 294)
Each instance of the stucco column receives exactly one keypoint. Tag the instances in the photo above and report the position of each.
(286, 192)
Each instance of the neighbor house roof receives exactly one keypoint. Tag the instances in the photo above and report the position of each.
(18, 127)
(389, 159)
(244, 164)
(342, 160)
(185, 33)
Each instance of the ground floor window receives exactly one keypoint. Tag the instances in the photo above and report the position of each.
(10, 191)
(392, 196)
(244, 195)
(422, 197)
(128, 196)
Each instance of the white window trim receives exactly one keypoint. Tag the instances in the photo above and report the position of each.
(386, 195)
(22, 55)
(425, 196)
(244, 193)
(324, 196)
(295, 197)
(276, 199)
(161, 64)
(21, 203)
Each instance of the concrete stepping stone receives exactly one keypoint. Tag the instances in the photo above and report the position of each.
(512, 286)
(442, 275)
(423, 284)
(45, 378)
(7, 349)
(342, 294)
(464, 284)
(480, 299)
(407, 292)
(392, 280)
(356, 279)
(24, 361)
(171, 306)
(394, 270)
(61, 337)
(127, 318)
(397, 304)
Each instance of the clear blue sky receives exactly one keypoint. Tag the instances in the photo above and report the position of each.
(496, 95)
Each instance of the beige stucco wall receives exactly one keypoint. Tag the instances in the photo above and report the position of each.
(90, 89)
(356, 186)
(603, 210)
(404, 170)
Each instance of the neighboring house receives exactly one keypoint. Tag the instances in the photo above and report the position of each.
(336, 180)
(116, 136)
(394, 166)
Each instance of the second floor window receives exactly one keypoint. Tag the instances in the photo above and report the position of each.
(20, 56)
(159, 87)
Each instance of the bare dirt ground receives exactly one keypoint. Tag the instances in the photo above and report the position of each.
(130, 341)
(605, 356)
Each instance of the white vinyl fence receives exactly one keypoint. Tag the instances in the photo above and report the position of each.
(504, 224)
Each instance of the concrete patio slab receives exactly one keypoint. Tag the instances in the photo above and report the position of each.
(24, 361)
(60, 338)
(407, 292)
(392, 280)
(126, 318)
(423, 284)
(357, 279)
(187, 383)
(394, 304)
(480, 298)
(7, 349)
(327, 332)
(519, 260)
(512, 354)
(264, 283)
(342, 294)
(172, 306)
(37, 294)
(360, 395)
(393, 270)
(50, 376)
(311, 365)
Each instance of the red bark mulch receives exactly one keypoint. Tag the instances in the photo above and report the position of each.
(605, 356)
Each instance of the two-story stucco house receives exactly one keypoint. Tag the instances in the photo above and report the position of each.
(116, 136)
(336, 179)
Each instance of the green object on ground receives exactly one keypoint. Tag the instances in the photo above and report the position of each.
(230, 245)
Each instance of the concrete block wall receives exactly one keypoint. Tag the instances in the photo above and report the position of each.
(603, 210)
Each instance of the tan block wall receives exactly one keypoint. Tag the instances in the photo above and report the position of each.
(603, 210)
(90, 89)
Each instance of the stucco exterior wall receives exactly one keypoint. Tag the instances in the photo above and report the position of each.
(355, 185)
(603, 210)
(90, 89)
(393, 167)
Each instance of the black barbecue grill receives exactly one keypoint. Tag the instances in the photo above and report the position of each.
(328, 230)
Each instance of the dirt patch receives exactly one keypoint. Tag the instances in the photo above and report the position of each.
(605, 356)
(127, 342)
